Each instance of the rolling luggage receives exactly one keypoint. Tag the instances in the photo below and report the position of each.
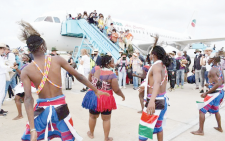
(68, 83)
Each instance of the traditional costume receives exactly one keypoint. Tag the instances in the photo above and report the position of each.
(19, 90)
(104, 104)
(52, 118)
(212, 101)
(152, 124)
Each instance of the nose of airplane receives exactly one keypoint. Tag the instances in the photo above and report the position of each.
(38, 26)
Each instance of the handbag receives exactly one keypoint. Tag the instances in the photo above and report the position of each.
(159, 104)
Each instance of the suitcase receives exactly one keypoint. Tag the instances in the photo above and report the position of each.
(68, 83)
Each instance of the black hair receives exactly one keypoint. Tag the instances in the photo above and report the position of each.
(114, 29)
(70, 15)
(34, 42)
(217, 59)
(175, 52)
(106, 59)
(111, 24)
(161, 55)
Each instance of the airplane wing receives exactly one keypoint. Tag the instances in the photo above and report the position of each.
(191, 41)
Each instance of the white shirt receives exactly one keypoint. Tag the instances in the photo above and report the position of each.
(86, 62)
(3, 67)
(11, 59)
(208, 67)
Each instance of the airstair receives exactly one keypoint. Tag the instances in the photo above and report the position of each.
(93, 38)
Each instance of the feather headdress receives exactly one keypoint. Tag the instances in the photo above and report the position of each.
(155, 43)
(27, 30)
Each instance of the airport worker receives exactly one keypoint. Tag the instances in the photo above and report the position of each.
(187, 65)
(106, 81)
(197, 67)
(3, 71)
(181, 63)
(155, 96)
(214, 97)
(50, 118)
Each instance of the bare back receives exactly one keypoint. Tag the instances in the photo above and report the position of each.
(158, 77)
(54, 75)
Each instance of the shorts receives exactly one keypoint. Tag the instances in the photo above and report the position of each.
(21, 94)
(97, 113)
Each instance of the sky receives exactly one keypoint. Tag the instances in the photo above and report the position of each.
(173, 15)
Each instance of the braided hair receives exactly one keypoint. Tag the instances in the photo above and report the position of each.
(34, 42)
(160, 53)
(106, 60)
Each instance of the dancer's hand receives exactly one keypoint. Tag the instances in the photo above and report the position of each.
(123, 98)
(33, 136)
(141, 89)
(151, 107)
(203, 95)
(98, 93)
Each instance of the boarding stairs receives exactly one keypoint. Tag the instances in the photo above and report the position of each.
(93, 38)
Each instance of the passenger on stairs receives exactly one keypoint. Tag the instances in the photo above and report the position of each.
(108, 21)
(85, 16)
(129, 37)
(79, 16)
(91, 19)
(101, 23)
(114, 36)
(121, 40)
(109, 30)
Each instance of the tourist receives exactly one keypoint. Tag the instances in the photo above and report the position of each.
(203, 70)
(214, 97)
(105, 80)
(122, 72)
(79, 16)
(181, 63)
(3, 71)
(85, 16)
(11, 75)
(187, 65)
(172, 71)
(54, 52)
(121, 40)
(97, 58)
(197, 67)
(136, 65)
(49, 92)
(85, 62)
(114, 36)
(208, 52)
(101, 23)
(108, 21)
(91, 19)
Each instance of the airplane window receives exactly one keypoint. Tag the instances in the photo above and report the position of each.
(39, 19)
(48, 19)
(56, 19)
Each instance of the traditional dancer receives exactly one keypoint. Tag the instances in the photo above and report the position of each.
(104, 80)
(143, 76)
(156, 106)
(214, 97)
(19, 90)
(50, 118)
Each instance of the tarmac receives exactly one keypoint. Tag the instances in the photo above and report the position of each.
(182, 117)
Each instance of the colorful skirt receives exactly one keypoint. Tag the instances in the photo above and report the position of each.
(152, 124)
(52, 120)
(104, 103)
(211, 102)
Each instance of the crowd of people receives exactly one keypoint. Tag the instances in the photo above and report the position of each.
(106, 25)
(98, 74)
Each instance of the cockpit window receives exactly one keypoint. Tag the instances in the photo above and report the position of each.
(56, 19)
(39, 19)
(48, 19)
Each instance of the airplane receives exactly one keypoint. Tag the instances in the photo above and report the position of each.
(49, 26)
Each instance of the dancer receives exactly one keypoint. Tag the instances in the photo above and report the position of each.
(104, 80)
(156, 106)
(214, 97)
(51, 118)
(143, 76)
(19, 90)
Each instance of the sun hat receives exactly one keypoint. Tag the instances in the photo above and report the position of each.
(54, 49)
